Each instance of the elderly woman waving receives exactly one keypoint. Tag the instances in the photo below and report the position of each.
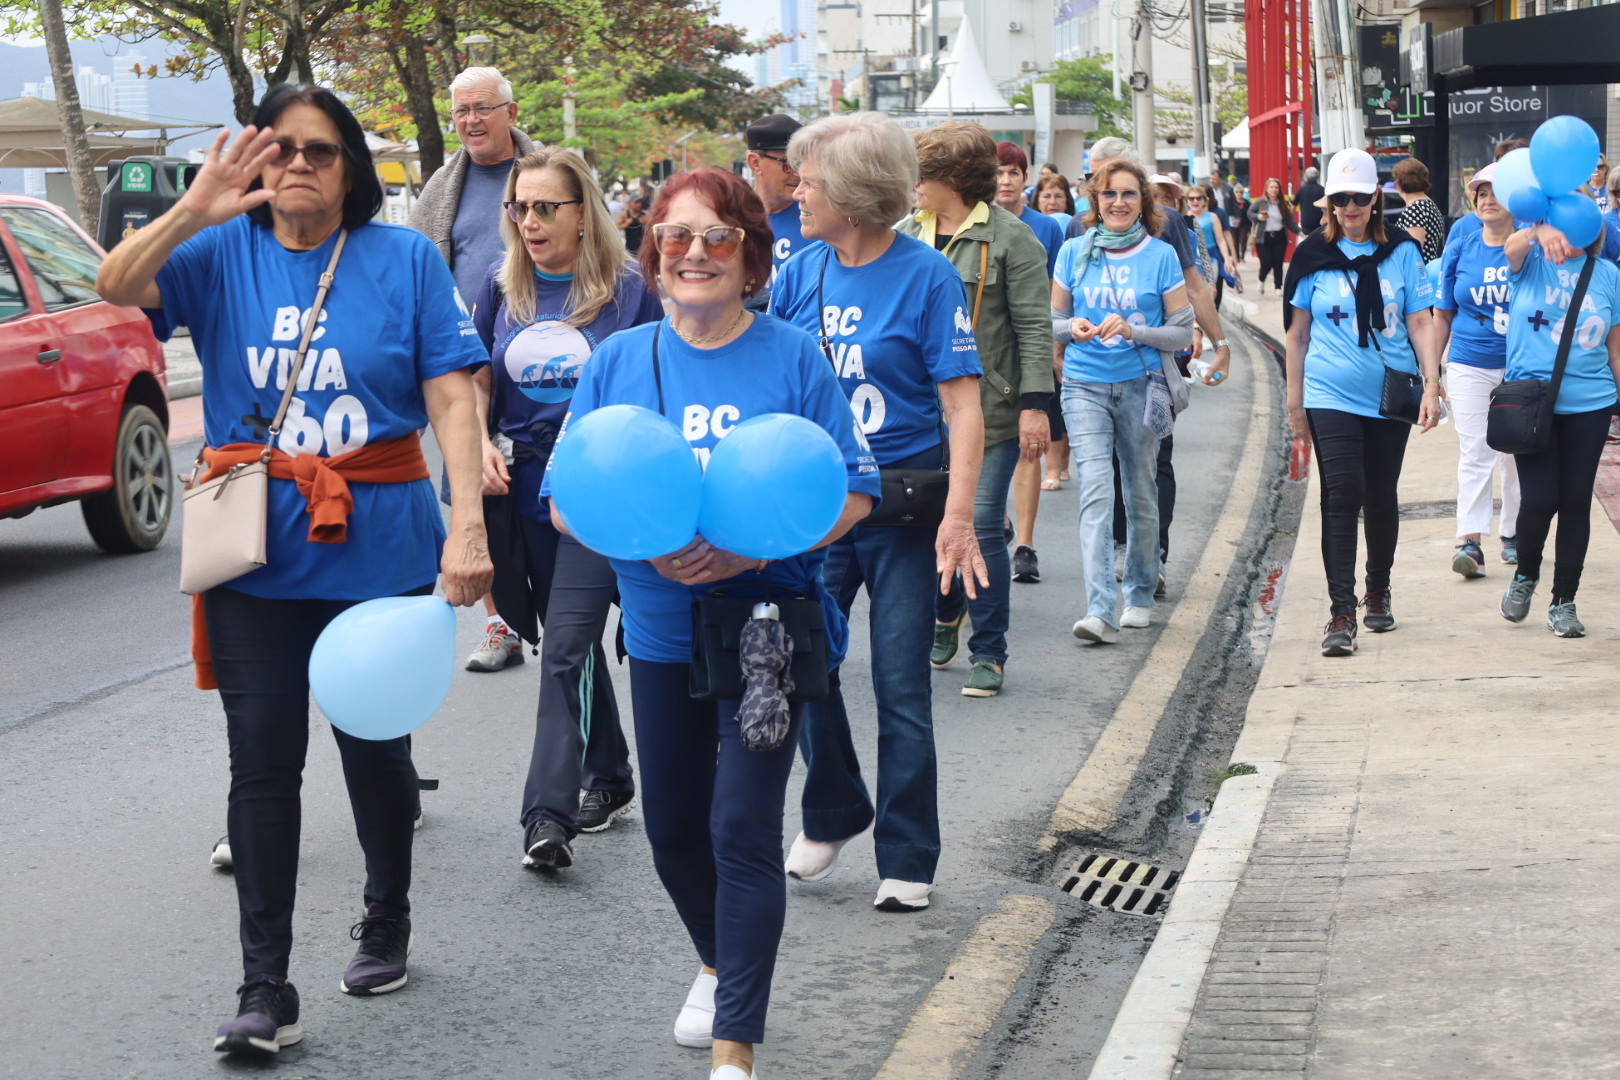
(894, 325)
(237, 260)
(1118, 299)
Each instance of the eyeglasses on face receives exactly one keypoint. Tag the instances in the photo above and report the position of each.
(544, 209)
(720, 241)
(461, 112)
(1110, 195)
(782, 161)
(1345, 198)
(319, 155)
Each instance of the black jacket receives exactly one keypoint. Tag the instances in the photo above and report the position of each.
(1310, 215)
(1315, 253)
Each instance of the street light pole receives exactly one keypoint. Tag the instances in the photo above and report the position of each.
(1200, 91)
(681, 142)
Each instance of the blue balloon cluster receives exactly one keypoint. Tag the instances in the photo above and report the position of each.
(1538, 182)
(382, 668)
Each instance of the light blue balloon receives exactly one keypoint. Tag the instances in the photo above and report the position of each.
(1435, 277)
(1577, 217)
(1528, 203)
(382, 668)
(1513, 172)
(774, 487)
(626, 483)
(1564, 151)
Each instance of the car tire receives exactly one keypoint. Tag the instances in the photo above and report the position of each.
(134, 514)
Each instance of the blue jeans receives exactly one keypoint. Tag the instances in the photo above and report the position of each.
(897, 568)
(1105, 422)
(992, 611)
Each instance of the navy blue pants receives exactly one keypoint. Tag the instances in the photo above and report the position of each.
(713, 811)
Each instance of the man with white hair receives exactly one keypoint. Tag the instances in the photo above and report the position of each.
(460, 211)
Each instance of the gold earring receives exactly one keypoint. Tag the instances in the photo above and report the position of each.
(749, 287)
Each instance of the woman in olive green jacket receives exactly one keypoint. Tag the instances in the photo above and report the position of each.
(1003, 269)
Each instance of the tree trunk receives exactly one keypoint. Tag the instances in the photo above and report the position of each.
(418, 81)
(71, 116)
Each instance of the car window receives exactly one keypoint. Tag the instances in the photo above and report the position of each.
(12, 303)
(64, 265)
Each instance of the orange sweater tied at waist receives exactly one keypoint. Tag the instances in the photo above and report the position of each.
(324, 484)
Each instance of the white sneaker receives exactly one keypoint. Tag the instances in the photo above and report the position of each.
(1136, 618)
(695, 1024)
(896, 895)
(731, 1072)
(499, 648)
(1094, 628)
(812, 860)
(221, 855)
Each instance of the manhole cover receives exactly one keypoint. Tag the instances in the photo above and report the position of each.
(1130, 888)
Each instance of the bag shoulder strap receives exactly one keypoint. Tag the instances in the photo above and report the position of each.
(303, 343)
(1571, 317)
(658, 374)
(984, 270)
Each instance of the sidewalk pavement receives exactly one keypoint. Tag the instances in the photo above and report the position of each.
(1423, 877)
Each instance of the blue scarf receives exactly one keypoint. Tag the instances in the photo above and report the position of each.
(1096, 240)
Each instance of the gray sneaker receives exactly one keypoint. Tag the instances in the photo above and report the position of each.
(1561, 620)
(1516, 602)
(499, 648)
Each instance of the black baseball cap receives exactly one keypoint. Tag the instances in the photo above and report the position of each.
(770, 132)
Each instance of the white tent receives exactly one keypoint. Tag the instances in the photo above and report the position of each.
(1238, 137)
(964, 84)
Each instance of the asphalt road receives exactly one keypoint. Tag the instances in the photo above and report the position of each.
(118, 950)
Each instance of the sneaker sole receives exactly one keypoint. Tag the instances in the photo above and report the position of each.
(1338, 650)
(694, 1041)
(899, 906)
(611, 818)
(372, 991)
(220, 861)
(1379, 629)
(1566, 633)
(1510, 617)
(549, 858)
(1085, 633)
(1028, 579)
(941, 665)
(1464, 564)
(238, 1043)
(976, 691)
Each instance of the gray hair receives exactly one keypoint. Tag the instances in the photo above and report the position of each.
(1311, 173)
(1109, 148)
(868, 164)
(476, 77)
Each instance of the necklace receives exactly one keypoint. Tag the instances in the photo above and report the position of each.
(721, 336)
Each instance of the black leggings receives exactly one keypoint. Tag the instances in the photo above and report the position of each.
(1273, 246)
(261, 660)
(1359, 458)
(1559, 481)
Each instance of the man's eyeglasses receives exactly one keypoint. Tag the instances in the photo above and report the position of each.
(545, 210)
(461, 112)
(674, 240)
(782, 161)
(1345, 198)
(1109, 195)
(319, 155)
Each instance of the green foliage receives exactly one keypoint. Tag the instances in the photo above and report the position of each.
(1091, 80)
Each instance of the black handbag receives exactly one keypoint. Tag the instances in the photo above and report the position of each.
(1520, 418)
(1401, 397)
(718, 618)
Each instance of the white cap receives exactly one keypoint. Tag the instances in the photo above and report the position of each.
(1166, 178)
(1487, 175)
(1352, 170)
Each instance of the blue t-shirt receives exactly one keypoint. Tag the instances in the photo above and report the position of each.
(535, 367)
(1063, 220)
(787, 236)
(475, 238)
(896, 327)
(1474, 284)
(1047, 231)
(1133, 283)
(392, 320)
(1541, 296)
(1339, 373)
(771, 368)
(1470, 223)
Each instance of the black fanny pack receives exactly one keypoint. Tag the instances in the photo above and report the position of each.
(718, 618)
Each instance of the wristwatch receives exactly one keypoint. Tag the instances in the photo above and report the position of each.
(1223, 344)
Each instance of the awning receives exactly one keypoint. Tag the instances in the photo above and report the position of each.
(31, 135)
(1238, 137)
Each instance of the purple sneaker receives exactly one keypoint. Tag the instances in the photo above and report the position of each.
(379, 964)
(266, 1018)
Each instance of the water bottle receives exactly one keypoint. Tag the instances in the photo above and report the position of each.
(1200, 369)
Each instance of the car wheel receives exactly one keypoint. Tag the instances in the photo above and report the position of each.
(134, 514)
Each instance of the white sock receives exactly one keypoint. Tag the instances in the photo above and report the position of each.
(494, 621)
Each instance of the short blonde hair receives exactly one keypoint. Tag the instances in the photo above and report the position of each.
(867, 162)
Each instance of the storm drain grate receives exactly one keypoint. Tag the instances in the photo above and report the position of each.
(1130, 888)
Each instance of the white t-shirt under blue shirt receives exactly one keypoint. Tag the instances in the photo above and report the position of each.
(1339, 373)
(897, 326)
(1474, 284)
(1541, 296)
(1135, 284)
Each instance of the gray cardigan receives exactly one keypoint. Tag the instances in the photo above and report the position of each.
(434, 214)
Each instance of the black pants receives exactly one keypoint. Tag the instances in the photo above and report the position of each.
(1273, 246)
(1359, 459)
(1559, 481)
(1167, 497)
(261, 654)
(577, 714)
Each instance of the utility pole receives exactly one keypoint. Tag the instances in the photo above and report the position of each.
(1147, 144)
(71, 116)
(1200, 93)
(570, 129)
(1337, 85)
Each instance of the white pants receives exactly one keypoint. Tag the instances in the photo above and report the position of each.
(1470, 392)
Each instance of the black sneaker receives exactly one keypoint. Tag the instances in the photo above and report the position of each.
(1380, 616)
(545, 846)
(266, 1019)
(598, 809)
(1341, 636)
(1026, 567)
(379, 964)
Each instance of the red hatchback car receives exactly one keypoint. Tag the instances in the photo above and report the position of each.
(84, 406)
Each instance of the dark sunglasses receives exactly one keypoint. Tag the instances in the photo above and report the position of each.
(319, 155)
(721, 241)
(1345, 198)
(545, 210)
(782, 161)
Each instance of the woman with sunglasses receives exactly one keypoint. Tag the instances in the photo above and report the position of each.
(1346, 323)
(1119, 299)
(713, 807)
(1212, 224)
(237, 260)
(563, 288)
(1471, 313)
(895, 326)
(1273, 220)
